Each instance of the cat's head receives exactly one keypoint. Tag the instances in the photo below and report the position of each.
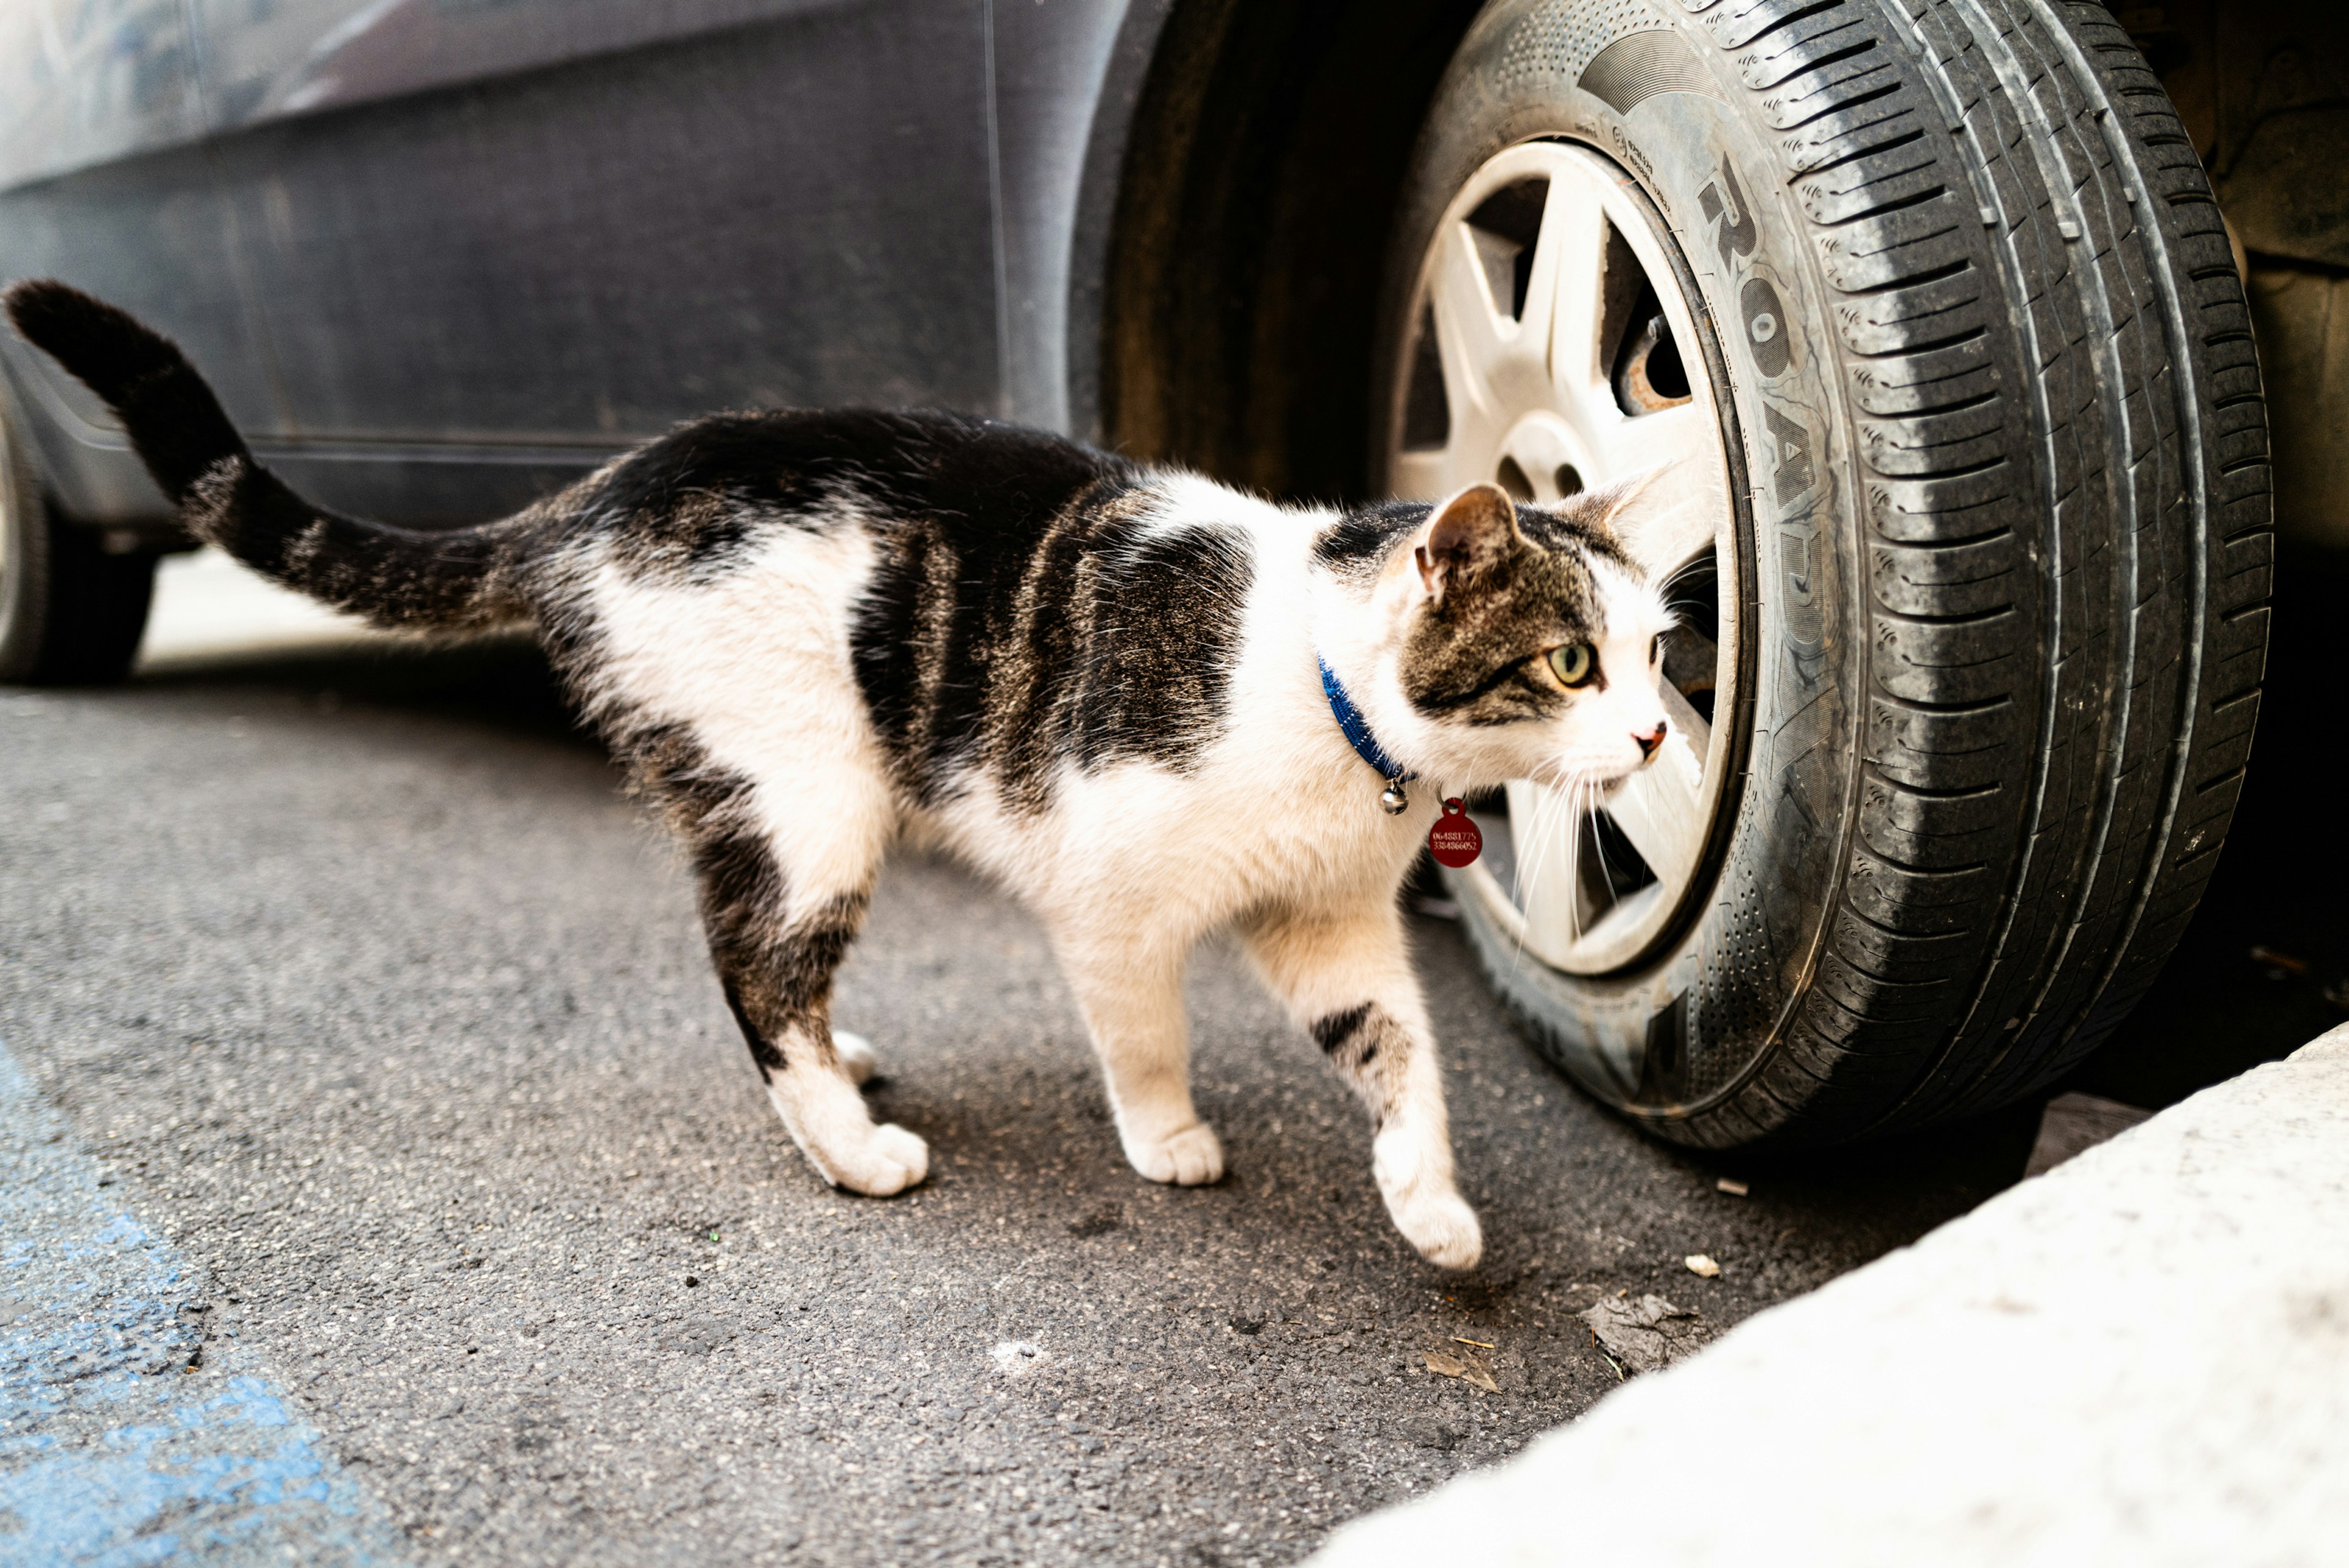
(1521, 641)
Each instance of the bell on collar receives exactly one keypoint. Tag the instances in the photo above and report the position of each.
(1393, 798)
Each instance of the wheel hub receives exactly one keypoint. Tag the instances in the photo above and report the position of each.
(1543, 458)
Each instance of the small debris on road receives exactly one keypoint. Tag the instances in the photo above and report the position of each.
(1477, 1342)
(1704, 1268)
(1428, 1432)
(1644, 1335)
(1018, 1357)
(1732, 1186)
(1470, 1370)
(1100, 1222)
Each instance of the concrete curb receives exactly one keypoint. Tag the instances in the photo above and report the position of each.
(2141, 1357)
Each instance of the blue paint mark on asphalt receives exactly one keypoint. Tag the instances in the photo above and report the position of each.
(127, 1437)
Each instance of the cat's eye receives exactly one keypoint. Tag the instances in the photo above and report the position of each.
(1575, 663)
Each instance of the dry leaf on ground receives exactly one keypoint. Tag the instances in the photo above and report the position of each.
(1643, 1335)
(1471, 1370)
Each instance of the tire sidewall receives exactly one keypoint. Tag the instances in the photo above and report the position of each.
(25, 558)
(1725, 988)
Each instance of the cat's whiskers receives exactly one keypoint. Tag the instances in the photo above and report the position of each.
(1565, 803)
(1529, 871)
(1568, 802)
(1574, 795)
(1560, 803)
(1586, 815)
(1670, 579)
(1599, 841)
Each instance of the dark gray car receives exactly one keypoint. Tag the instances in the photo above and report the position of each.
(1926, 304)
(438, 255)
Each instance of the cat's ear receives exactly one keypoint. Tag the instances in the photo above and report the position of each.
(1660, 518)
(1472, 529)
(1622, 510)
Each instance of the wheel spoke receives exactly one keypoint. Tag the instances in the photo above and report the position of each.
(1541, 452)
(1678, 518)
(1662, 809)
(1680, 436)
(1562, 288)
(1422, 475)
(1632, 910)
(1687, 721)
(1467, 329)
(1548, 892)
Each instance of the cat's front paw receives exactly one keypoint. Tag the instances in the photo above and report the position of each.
(886, 1161)
(1414, 1166)
(1191, 1157)
(1442, 1228)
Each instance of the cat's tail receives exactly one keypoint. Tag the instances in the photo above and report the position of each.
(466, 577)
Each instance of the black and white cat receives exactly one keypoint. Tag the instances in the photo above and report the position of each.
(1154, 707)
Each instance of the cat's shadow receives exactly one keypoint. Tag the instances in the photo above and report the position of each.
(501, 682)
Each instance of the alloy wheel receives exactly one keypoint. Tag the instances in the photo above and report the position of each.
(1553, 352)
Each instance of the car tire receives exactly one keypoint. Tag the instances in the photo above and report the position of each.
(71, 613)
(1990, 544)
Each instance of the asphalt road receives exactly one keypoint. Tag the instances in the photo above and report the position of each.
(364, 986)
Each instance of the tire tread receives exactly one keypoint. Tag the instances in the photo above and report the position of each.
(2038, 818)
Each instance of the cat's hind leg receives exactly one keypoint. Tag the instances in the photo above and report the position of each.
(780, 909)
(1346, 976)
(1131, 994)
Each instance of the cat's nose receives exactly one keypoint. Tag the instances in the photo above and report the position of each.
(1649, 742)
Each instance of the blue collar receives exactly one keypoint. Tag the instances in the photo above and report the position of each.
(1358, 729)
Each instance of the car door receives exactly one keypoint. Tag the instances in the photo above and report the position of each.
(498, 239)
(103, 183)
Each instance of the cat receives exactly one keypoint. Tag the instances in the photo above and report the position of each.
(1154, 707)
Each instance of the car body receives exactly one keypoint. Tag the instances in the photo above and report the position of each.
(440, 255)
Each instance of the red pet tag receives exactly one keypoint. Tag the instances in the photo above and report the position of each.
(1454, 840)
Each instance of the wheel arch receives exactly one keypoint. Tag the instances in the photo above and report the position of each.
(1245, 229)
